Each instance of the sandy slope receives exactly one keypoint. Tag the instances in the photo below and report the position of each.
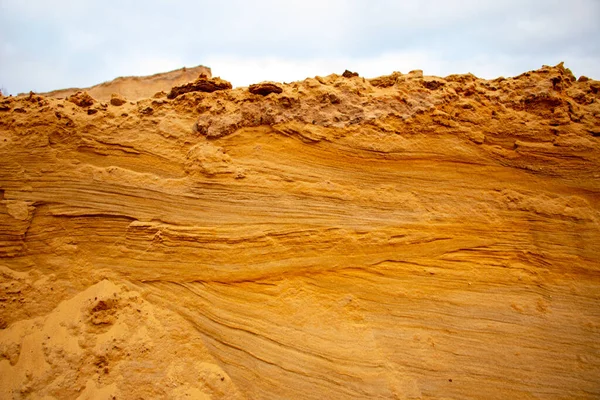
(403, 237)
(135, 88)
(106, 342)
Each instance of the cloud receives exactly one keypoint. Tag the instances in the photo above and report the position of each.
(47, 45)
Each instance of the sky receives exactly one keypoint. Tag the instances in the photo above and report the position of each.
(47, 45)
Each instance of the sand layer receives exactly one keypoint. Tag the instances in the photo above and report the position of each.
(401, 237)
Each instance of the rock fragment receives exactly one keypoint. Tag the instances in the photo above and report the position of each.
(433, 84)
(202, 84)
(117, 100)
(265, 88)
(349, 74)
(81, 99)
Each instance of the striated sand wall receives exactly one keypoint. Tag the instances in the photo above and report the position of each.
(407, 237)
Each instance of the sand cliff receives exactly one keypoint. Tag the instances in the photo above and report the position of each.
(400, 237)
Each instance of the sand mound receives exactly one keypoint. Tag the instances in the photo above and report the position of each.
(108, 343)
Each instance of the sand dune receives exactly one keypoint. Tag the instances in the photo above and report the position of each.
(135, 88)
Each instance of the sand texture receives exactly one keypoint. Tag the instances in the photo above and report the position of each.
(404, 237)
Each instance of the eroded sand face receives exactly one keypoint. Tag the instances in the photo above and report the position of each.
(400, 237)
